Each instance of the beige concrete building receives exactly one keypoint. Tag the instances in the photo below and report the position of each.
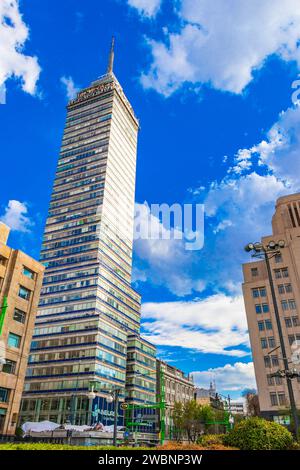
(178, 387)
(20, 284)
(204, 396)
(285, 267)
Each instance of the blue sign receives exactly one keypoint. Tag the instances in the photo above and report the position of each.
(104, 412)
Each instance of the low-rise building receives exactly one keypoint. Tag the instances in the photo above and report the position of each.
(175, 386)
(20, 283)
(237, 408)
(204, 396)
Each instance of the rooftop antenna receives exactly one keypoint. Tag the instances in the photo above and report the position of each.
(111, 57)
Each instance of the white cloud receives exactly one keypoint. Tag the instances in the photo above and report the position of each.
(15, 216)
(147, 8)
(13, 36)
(70, 87)
(164, 262)
(240, 206)
(215, 325)
(281, 151)
(239, 209)
(247, 195)
(222, 42)
(229, 378)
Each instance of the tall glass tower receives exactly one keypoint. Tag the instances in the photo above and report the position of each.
(88, 308)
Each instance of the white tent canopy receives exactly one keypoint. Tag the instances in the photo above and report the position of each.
(39, 427)
(50, 426)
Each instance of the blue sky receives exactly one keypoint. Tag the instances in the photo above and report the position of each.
(212, 86)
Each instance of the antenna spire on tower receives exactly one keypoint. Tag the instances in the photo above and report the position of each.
(111, 56)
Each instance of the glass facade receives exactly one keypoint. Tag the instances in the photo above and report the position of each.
(141, 371)
(88, 307)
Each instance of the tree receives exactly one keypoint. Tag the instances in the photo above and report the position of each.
(252, 402)
(178, 420)
(191, 419)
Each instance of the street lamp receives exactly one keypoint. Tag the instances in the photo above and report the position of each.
(91, 396)
(267, 252)
(114, 398)
(162, 401)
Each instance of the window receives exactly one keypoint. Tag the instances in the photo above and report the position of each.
(292, 304)
(274, 380)
(24, 293)
(291, 339)
(263, 292)
(254, 272)
(272, 342)
(275, 361)
(280, 273)
(277, 273)
(281, 289)
(281, 399)
(288, 288)
(19, 316)
(4, 394)
(262, 308)
(3, 261)
(9, 367)
(264, 343)
(267, 361)
(259, 292)
(288, 322)
(285, 272)
(284, 305)
(14, 341)
(295, 321)
(270, 380)
(255, 293)
(261, 326)
(273, 397)
(268, 324)
(278, 258)
(28, 273)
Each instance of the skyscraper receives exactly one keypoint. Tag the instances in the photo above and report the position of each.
(88, 307)
(263, 330)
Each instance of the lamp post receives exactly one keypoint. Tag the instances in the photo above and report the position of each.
(74, 397)
(161, 402)
(114, 398)
(267, 252)
(228, 417)
(91, 396)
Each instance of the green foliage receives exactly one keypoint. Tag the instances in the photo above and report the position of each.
(41, 446)
(259, 434)
(192, 418)
(19, 432)
(207, 440)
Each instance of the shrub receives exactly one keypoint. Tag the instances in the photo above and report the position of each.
(259, 434)
(48, 446)
(208, 440)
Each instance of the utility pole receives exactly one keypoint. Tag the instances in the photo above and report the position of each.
(266, 253)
